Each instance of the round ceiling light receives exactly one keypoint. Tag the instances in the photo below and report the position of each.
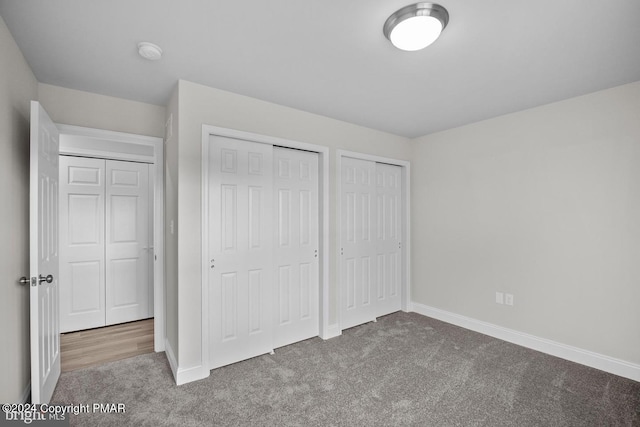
(416, 26)
(149, 51)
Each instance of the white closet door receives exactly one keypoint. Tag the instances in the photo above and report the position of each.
(388, 230)
(82, 274)
(240, 250)
(127, 242)
(358, 243)
(296, 273)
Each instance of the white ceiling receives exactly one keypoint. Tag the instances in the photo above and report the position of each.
(330, 57)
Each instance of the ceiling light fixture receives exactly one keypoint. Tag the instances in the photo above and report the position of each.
(416, 26)
(149, 51)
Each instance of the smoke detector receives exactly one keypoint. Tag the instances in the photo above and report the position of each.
(149, 51)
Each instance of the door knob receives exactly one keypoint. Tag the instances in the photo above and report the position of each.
(24, 280)
(47, 279)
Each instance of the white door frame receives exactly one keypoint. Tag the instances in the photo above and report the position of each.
(137, 148)
(323, 169)
(406, 220)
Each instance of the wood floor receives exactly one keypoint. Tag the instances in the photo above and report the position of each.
(101, 345)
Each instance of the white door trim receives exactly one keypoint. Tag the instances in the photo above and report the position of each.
(110, 145)
(323, 169)
(139, 148)
(406, 223)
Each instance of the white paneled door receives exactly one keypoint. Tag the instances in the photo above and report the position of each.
(296, 245)
(389, 244)
(358, 242)
(240, 253)
(370, 240)
(105, 252)
(263, 248)
(43, 230)
(127, 251)
(82, 273)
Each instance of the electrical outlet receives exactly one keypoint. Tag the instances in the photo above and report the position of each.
(499, 298)
(508, 299)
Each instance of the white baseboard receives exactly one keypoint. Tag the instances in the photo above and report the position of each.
(183, 375)
(194, 373)
(567, 352)
(332, 332)
(171, 358)
(26, 394)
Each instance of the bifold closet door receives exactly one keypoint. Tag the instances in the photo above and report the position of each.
(358, 243)
(127, 249)
(389, 232)
(370, 240)
(296, 245)
(82, 268)
(240, 181)
(105, 223)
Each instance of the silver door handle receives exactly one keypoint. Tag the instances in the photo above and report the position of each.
(47, 279)
(24, 280)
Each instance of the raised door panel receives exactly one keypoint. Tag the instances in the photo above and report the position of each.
(127, 242)
(296, 223)
(358, 241)
(82, 274)
(389, 229)
(240, 250)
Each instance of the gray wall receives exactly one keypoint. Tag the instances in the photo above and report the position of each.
(18, 87)
(79, 108)
(543, 204)
(200, 105)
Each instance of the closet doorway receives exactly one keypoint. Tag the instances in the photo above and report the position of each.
(265, 245)
(106, 242)
(111, 230)
(374, 237)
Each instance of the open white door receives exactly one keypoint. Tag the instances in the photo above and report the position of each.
(43, 230)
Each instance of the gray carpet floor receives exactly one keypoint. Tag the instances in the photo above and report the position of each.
(405, 369)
